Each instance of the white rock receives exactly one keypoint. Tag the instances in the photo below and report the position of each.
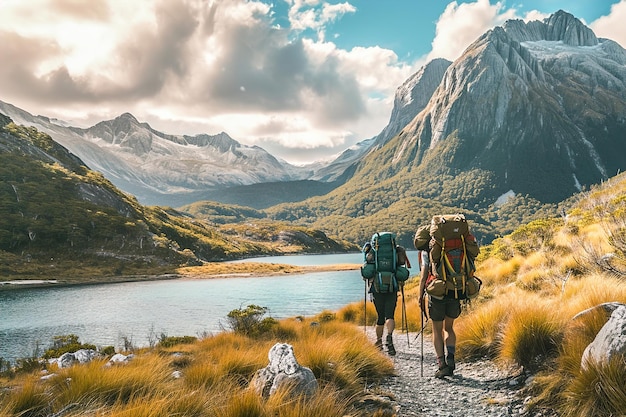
(610, 340)
(283, 371)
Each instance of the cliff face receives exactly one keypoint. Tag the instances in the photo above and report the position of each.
(541, 105)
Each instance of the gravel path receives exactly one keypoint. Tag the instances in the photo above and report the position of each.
(477, 389)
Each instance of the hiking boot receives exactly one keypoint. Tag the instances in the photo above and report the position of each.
(391, 350)
(451, 363)
(379, 344)
(443, 372)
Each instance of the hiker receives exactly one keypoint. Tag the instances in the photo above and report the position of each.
(384, 270)
(442, 313)
(447, 251)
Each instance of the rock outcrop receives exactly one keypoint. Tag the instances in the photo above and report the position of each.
(80, 356)
(283, 372)
(610, 340)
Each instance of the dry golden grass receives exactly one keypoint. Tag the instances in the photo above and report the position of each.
(531, 323)
(479, 333)
(251, 269)
(598, 390)
(496, 272)
(216, 372)
(531, 336)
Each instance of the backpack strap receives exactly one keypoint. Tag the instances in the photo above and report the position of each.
(447, 264)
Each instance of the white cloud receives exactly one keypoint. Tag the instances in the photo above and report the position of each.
(206, 66)
(186, 66)
(461, 24)
(612, 26)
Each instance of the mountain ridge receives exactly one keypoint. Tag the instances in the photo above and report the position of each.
(536, 121)
(531, 113)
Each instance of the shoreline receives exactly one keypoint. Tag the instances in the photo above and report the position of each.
(213, 270)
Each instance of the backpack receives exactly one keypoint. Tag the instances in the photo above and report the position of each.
(452, 252)
(384, 262)
(422, 237)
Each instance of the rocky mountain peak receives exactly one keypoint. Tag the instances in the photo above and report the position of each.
(560, 26)
(412, 97)
(545, 93)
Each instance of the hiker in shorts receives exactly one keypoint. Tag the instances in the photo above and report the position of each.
(442, 313)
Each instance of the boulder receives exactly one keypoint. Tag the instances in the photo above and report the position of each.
(81, 356)
(119, 358)
(610, 340)
(283, 371)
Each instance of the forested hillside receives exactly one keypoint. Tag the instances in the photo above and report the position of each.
(59, 218)
(399, 196)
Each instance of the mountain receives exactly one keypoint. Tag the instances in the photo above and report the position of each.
(530, 114)
(60, 219)
(173, 170)
(540, 106)
(410, 98)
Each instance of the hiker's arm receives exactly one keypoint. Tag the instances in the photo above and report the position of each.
(424, 267)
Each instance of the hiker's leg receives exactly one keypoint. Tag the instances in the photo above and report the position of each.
(379, 331)
(449, 329)
(453, 310)
(438, 342)
(391, 325)
(380, 320)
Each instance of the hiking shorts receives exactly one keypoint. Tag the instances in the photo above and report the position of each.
(385, 304)
(440, 309)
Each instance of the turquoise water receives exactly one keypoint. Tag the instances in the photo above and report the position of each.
(108, 314)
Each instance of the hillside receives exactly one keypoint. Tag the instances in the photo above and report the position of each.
(174, 170)
(61, 219)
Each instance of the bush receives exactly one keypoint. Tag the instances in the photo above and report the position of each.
(108, 350)
(250, 321)
(64, 344)
(169, 341)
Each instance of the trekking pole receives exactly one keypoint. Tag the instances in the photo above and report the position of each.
(405, 323)
(365, 307)
(422, 351)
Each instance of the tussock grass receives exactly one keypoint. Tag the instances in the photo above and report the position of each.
(28, 399)
(479, 334)
(216, 372)
(597, 391)
(497, 272)
(95, 383)
(531, 336)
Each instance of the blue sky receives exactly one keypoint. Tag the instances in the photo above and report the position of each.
(408, 26)
(304, 79)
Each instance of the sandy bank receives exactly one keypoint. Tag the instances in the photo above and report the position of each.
(207, 271)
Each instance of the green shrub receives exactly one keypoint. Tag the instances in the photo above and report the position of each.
(250, 321)
(64, 344)
(169, 341)
(108, 350)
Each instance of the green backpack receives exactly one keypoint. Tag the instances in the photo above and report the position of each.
(382, 264)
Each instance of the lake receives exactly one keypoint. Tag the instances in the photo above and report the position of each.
(108, 314)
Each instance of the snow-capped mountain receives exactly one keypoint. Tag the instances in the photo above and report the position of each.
(159, 168)
(540, 105)
(527, 116)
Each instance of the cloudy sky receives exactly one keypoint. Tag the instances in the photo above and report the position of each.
(304, 79)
